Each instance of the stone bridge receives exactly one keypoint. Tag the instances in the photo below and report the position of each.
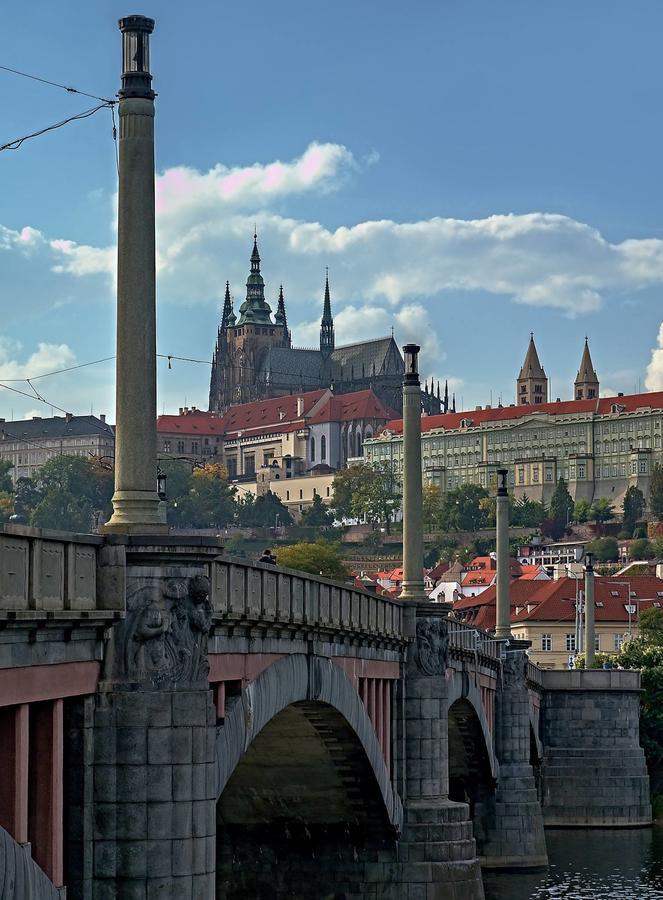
(176, 723)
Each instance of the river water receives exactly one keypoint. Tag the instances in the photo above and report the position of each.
(590, 865)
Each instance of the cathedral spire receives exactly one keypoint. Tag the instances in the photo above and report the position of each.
(255, 310)
(446, 396)
(280, 316)
(587, 381)
(532, 382)
(327, 323)
(227, 307)
(453, 402)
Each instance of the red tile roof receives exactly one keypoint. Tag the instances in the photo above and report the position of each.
(601, 406)
(278, 415)
(554, 601)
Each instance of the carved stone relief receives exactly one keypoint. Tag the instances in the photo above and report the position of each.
(432, 644)
(163, 640)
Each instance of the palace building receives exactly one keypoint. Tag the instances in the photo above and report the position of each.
(254, 358)
(599, 445)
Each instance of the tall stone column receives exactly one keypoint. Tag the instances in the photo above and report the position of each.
(154, 832)
(503, 610)
(135, 501)
(437, 852)
(511, 826)
(590, 612)
(413, 533)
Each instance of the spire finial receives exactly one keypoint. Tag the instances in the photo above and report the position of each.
(327, 323)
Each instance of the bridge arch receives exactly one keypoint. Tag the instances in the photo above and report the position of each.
(312, 694)
(302, 781)
(463, 689)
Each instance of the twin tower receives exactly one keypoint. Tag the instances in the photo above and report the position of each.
(532, 382)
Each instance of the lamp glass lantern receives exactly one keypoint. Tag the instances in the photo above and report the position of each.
(411, 357)
(161, 484)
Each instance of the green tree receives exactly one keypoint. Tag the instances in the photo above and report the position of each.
(317, 515)
(656, 492)
(6, 483)
(582, 510)
(26, 496)
(646, 654)
(210, 500)
(376, 497)
(7, 505)
(561, 503)
(604, 549)
(528, 513)
(346, 483)
(72, 489)
(462, 510)
(602, 510)
(650, 625)
(265, 511)
(431, 506)
(318, 558)
(633, 508)
(641, 549)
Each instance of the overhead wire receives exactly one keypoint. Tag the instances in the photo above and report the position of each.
(64, 87)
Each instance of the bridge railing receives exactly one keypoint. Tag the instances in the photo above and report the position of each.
(534, 674)
(261, 594)
(466, 637)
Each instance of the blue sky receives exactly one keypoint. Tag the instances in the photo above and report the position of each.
(469, 171)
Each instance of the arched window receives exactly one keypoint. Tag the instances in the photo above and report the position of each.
(358, 443)
(312, 449)
(323, 448)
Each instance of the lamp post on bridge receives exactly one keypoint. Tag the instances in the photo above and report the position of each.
(589, 612)
(502, 600)
(413, 529)
(136, 501)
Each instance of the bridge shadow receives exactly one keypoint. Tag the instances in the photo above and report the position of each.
(306, 805)
(471, 767)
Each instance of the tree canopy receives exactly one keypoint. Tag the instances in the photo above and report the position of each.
(366, 491)
(264, 511)
(462, 509)
(317, 558)
(67, 492)
(561, 503)
(317, 515)
(604, 549)
(633, 508)
(656, 492)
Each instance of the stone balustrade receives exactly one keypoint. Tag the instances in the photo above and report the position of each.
(262, 595)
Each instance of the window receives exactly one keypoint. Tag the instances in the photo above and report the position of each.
(180, 446)
(323, 447)
(581, 470)
(194, 447)
(570, 641)
(312, 449)
(597, 641)
(166, 446)
(249, 464)
(642, 467)
(287, 495)
(328, 492)
(301, 496)
(546, 642)
(521, 474)
(618, 641)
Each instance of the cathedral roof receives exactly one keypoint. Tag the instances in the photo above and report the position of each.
(291, 367)
(532, 368)
(381, 353)
(586, 372)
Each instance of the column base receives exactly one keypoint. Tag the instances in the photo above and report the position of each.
(135, 512)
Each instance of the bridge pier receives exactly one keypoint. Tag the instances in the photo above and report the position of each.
(154, 738)
(509, 828)
(594, 772)
(437, 852)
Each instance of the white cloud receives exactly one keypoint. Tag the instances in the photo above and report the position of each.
(654, 376)
(46, 358)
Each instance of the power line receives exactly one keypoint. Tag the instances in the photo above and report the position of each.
(64, 87)
(60, 371)
(16, 143)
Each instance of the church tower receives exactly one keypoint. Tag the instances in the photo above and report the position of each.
(243, 344)
(327, 324)
(532, 383)
(587, 383)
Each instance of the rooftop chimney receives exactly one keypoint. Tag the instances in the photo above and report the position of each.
(300, 406)
(102, 418)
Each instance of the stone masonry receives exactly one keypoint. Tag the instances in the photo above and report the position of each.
(510, 831)
(594, 771)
